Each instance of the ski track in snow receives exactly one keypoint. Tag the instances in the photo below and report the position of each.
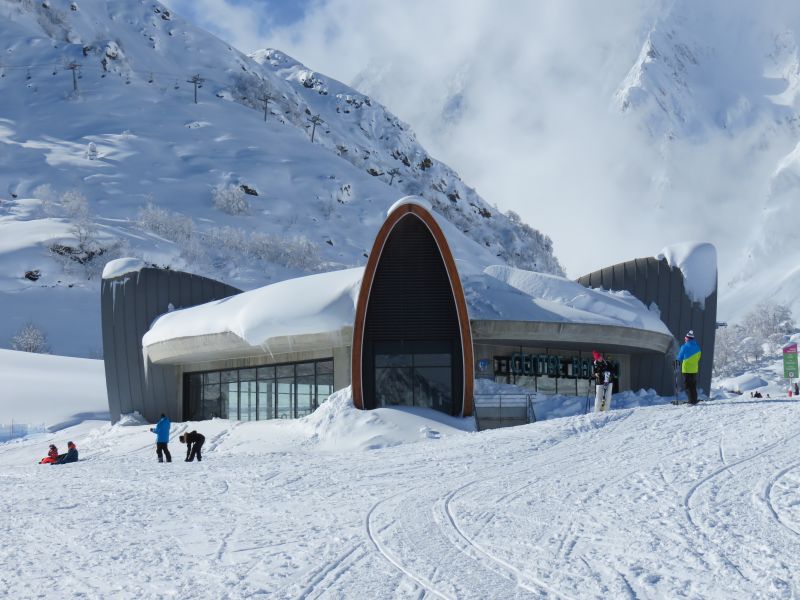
(644, 503)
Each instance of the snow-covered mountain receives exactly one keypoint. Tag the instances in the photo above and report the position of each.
(104, 152)
(701, 70)
(726, 84)
(662, 121)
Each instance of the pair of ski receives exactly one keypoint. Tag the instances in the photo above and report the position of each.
(676, 401)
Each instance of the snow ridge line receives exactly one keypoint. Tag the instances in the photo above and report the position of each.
(716, 473)
(418, 579)
(511, 571)
(768, 497)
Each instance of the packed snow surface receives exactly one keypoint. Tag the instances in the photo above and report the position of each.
(55, 390)
(698, 263)
(661, 502)
(122, 266)
(326, 302)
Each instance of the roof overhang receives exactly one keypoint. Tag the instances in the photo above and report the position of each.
(570, 336)
(227, 346)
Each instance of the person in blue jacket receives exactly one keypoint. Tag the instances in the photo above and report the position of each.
(70, 457)
(162, 438)
(689, 357)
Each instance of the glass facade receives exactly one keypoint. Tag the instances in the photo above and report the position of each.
(414, 374)
(549, 374)
(258, 393)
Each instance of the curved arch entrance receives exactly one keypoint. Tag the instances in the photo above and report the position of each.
(412, 344)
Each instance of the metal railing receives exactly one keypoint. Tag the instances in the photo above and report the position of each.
(503, 410)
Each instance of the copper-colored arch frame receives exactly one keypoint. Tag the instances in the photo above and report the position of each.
(411, 211)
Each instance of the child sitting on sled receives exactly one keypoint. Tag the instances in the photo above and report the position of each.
(52, 456)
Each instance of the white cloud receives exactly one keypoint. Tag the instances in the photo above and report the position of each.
(518, 97)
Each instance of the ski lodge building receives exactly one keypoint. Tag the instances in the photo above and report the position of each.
(415, 327)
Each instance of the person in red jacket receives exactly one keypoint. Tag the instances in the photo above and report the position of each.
(52, 455)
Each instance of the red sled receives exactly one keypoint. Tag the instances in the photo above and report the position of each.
(47, 460)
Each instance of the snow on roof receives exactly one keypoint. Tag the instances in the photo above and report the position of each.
(698, 263)
(122, 266)
(326, 303)
(410, 200)
(319, 303)
(503, 292)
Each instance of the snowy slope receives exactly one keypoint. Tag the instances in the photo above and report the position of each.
(159, 156)
(56, 391)
(645, 503)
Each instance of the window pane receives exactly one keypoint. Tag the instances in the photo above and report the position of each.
(266, 372)
(393, 387)
(247, 374)
(285, 410)
(228, 376)
(223, 402)
(305, 369)
(266, 400)
(232, 395)
(325, 366)
(285, 371)
(393, 360)
(324, 386)
(211, 377)
(433, 388)
(432, 360)
(305, 398)
(247, 400)
(194, 399)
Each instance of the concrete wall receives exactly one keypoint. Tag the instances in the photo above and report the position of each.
(129, 305)
(654, 281)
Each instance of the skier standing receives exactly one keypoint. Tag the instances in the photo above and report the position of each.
(194, 445)
(162, 438)
(689, 357)
(602, 379)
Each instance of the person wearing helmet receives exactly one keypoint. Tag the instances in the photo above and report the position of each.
(70, 457)
(689, 357)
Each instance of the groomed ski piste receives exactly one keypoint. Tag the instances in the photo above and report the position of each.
(651, 502)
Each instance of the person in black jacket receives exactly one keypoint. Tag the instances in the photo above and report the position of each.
(70, 457)
(194, 444)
